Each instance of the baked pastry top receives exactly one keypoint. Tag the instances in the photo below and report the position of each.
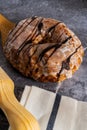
(44, 49)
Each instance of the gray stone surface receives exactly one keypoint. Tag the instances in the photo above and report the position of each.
(71, 12)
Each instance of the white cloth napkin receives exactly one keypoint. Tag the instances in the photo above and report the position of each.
(55, 112)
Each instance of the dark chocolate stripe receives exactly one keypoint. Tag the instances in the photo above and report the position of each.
(39, 27)
(24, 44)
(68, 59)
(52, 27)
(17, 30)
(65, 64)
(10, 33)
(13, 28)
(48, 30)
(54, 112)
(56, 46)
(60, 36)
(30, 39)
(15, 37)
(26, 50)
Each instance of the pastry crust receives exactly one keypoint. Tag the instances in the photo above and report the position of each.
(44, 49)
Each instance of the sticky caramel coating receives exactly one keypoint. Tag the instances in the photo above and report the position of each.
(44, 49)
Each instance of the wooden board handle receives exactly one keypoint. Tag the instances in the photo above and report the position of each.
(18, 117)
(5, 27)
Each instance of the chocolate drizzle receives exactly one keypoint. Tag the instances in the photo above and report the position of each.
(15, 36)
(65, 64)
(42, 40)
(28, 40)
(52, 27)
(56, 46)
(40, 25)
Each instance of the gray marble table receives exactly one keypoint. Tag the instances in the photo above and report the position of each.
(74, 14)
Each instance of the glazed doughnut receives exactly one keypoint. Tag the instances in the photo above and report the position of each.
(44, 49)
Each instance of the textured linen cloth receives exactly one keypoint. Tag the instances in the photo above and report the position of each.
(53, 111)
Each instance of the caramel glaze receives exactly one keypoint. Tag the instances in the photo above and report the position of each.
(65, 64)
(56, 46)
(28, 40)
(29, 37)
(28, 44)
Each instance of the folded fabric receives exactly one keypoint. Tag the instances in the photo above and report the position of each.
(53, 111)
